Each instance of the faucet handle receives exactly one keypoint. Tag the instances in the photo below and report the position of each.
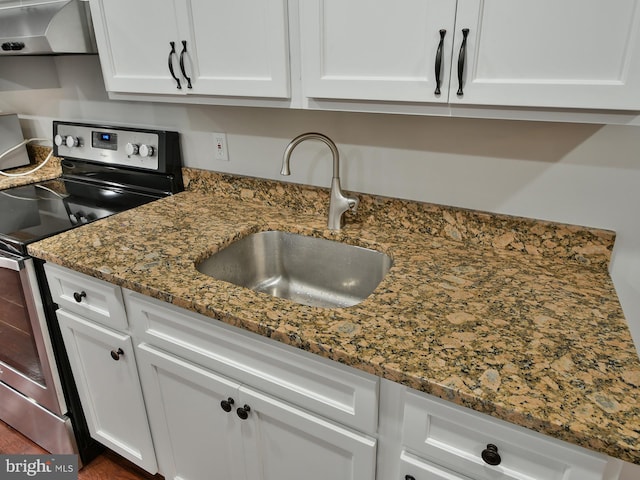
(353, 203)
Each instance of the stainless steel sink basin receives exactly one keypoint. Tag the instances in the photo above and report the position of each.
(307, 270)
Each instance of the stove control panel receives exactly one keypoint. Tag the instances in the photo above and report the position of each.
(109, 145)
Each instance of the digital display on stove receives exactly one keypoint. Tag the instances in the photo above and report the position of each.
(104, 140)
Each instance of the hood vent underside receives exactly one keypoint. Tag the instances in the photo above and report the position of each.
(46, 28)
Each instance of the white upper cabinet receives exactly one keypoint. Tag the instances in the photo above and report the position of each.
(522, 53)
(376, 49)
(201, 47)
(545, 53)
(575, 60)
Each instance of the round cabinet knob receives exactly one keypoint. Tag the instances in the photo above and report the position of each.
(131, 149)
(116, 354)
(59, 140)
(243, 412)
(78, 296)
(72, 141)
(146, 151)
(490, 455)
(226, 404)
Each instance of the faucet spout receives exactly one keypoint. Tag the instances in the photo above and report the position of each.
(338, 202)
(310, 136)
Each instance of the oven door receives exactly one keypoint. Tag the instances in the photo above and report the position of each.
(27, 363)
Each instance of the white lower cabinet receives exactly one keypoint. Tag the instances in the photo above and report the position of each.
(426, 438)
(487, 449)
(208, 426)
(104, 369)
(223, 405)
(96, 337)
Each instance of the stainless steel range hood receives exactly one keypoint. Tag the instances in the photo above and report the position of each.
(46, 28)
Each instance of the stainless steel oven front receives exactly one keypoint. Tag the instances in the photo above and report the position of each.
(105, 170)
(31, 396)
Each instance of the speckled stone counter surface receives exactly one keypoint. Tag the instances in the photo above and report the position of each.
(513, 317)
(37, 155)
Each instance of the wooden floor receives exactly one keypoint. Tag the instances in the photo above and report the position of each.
(106, 466)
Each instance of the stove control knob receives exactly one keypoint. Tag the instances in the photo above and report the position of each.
(147, 150)
(58, 140)
(131, 149)
(72, 141)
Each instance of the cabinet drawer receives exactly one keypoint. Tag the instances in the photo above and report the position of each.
(414, 468)
(318, 385)
(87, 296)
(455, 437)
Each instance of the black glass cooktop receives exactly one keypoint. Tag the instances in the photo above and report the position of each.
(33, 212)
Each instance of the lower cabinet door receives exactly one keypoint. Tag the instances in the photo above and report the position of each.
(104, 368)
(195, 437)
(206, 426)
(282, 442)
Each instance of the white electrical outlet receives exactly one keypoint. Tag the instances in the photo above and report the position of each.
(220, 147)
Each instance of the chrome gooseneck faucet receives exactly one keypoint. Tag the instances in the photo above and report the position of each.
(338, 203)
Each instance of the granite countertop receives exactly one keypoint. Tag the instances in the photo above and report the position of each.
(512, 317)
(37, 154)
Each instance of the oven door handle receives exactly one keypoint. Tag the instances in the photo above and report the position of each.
(15, 264)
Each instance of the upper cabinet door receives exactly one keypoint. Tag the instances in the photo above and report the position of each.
(134, 41)
(376, 49)
(205, 47)
(237, 48)
(545, 53)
